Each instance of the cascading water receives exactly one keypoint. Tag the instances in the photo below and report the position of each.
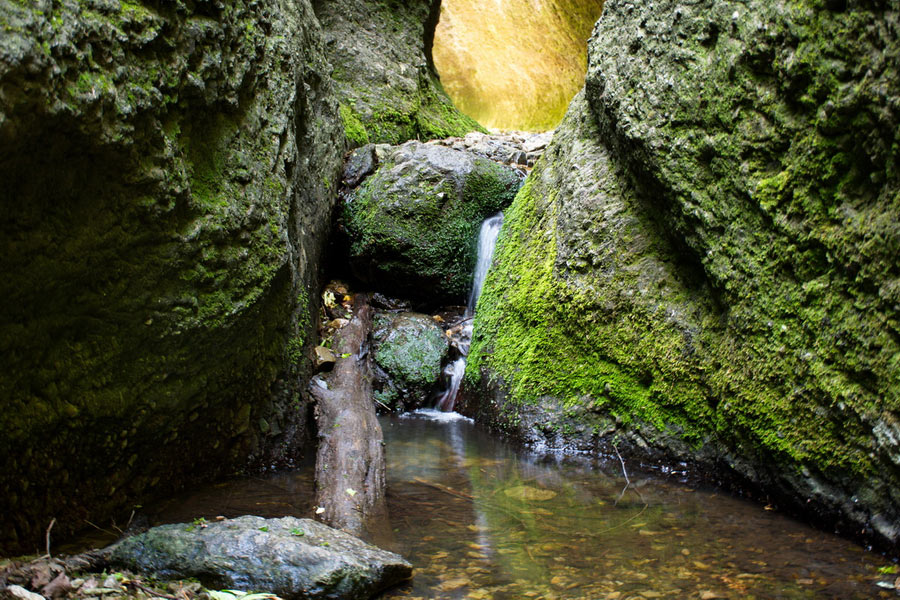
(487, 240)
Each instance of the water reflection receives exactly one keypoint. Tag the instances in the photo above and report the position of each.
(479, 521)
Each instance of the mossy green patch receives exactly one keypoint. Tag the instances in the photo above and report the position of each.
(413, 224)
(713, 241)
(353, 128)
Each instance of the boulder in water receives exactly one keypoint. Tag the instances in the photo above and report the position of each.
(409, 350)
(412, 224)
(293, 558)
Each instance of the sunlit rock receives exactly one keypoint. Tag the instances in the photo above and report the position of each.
(514, 64)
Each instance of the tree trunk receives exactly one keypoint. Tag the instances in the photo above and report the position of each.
(350, 458)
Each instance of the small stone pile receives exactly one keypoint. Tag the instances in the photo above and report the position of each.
(516, 148)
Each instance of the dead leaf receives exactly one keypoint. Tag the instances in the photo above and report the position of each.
(453, 584)
(526, 492)
(58, 587)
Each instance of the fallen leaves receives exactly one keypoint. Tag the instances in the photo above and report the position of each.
(528, 493)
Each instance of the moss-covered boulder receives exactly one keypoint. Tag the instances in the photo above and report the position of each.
(412, 224)
(167, 172)
(704, 264)
(409, 349)
(389, 89)
(296, 559)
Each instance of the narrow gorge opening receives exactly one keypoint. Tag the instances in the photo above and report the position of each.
(514, 64)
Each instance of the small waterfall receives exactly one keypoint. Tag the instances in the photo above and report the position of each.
(487, 239)
(455, 372)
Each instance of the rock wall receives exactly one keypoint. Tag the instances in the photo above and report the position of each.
(704, 264)
(168, 176)
(389, 89)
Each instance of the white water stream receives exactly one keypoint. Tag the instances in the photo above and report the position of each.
(487, 240)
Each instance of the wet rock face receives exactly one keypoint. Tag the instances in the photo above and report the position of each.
(381, 53)
(704, 262)
(409, 350)
(292, 558)
(411, 225)
(168, 174)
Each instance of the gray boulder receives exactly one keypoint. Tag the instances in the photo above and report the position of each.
(409, 350)
(413, 223)
(293, 558)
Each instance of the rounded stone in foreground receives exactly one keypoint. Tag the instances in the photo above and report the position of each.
(293, 558)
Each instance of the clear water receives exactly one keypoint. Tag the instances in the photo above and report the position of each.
(479, 520)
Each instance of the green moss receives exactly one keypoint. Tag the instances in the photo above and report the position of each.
(423, 238)
(409, 349)
(354, 130)
(544, 338)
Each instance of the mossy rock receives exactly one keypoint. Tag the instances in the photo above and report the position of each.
(168, 182)
(704, 265)
(412, 225)
(409, 350)
(386, 81)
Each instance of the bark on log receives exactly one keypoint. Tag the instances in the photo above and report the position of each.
(350, 458)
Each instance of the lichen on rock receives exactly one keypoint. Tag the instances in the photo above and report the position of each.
(704, 264)
(296, 559)
(409, 349)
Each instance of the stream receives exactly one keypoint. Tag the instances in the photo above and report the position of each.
(480, 520)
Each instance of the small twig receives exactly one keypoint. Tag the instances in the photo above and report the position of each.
(98, 528)
(387, 408)
(625, 473)
(150, 592)
(47, 536)
(121, 530)
(443, 488)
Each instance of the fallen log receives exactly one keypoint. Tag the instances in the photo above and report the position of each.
(350, 458)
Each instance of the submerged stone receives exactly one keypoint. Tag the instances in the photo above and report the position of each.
(293, 558)
(412, 224)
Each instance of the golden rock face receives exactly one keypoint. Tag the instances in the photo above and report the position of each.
(514, 64)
